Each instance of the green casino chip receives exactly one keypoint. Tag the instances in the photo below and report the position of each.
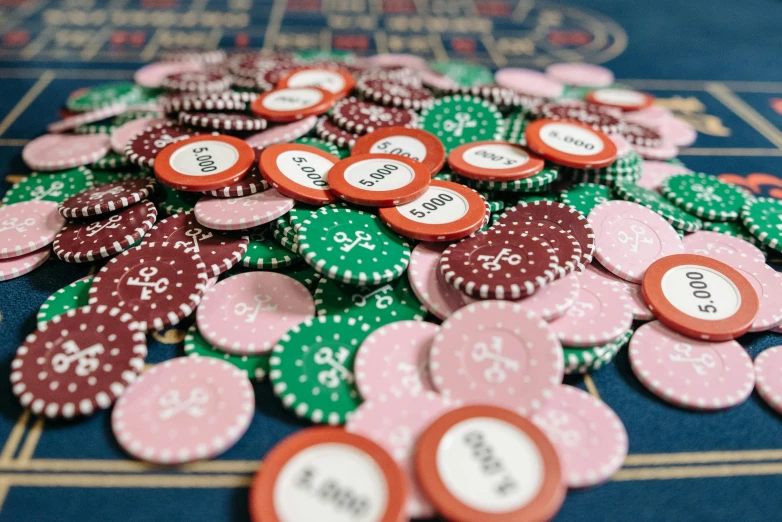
(515, 124)
(92, 128)
(284, 227)
(343, 152)
(531, 198)
(678, 218)
(302, 211)
(537, 182)
(311, 368)
(585, 196)
(266, 254)
(583, 360)
(705, 196)
(464, 73)
(352, 246)
(176, 201)
(305, 275)
(73, 296)
(458, 119)
(103, 96)
(104, 177)
(256, 366)
(628, 168)
(445, 176)
(318, 55)
(287, 243)
(318, 143)
(732, 228)
(111, 161)
(374, 305)
(125, 117)
(55, 186)
(763, 218)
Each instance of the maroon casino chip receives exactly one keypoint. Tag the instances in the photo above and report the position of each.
(558, 214)
(250, 184)
(202, 102)
(640, 135)
(158, 283)
(218, 250)
(326, 130)
(80, 242)
(593, 115)
(362, 117)
(499, 264)
(78, 362)
(395, 94)
(107, 198)
(197, 81)
(205, 57)
(565, 245)
(143, 149)
(228, 121)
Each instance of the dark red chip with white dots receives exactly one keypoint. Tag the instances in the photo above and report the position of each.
(327, 130)
(363, 117)
(144, 148)
(637, 134)
(394, 94)
(227, 121)
(107, 198)
(250, 184)
(218, 250)
(158, 283)
(197, 81)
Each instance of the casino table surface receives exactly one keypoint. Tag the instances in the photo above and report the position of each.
(715, 64)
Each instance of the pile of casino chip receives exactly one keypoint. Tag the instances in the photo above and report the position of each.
(413, 255)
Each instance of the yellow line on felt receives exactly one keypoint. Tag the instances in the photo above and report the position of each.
(130, 466)
(704, 457)
(437, 47)
(689, 472)
(381, 42)
(17, 432)
(497, 57)
(29, 97)
(126, 481)
(30, 443)
(4, 487)
(275, 22)
(590, 385)
(8, 142)
(745, 112)
(730, 152)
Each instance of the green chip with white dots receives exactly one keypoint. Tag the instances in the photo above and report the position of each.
(583, 360)
(343, 152)
(705, 196)
(255, 366)
(445, 176)
(304, 274)
(94, 128)
(763, 218)
(536, 182)
(311, 368)
(732, 228)
(650, 199)
(55, 186)
(459, 119)
(374, 305)
(111, 161)
(285, 242)
(464, 73)
(318, 143)
(104, 95)
(174, 201)
(264, 253)
(352, 246)
(73, 296)
(104, 177)
(585, 196)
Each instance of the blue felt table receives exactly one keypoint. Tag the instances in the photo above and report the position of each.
(715, 64)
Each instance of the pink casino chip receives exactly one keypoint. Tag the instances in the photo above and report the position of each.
(705, 243)
(395, 424)
(632, 291)
(28, 226)
(153, 74)
(623, 147)
(589, 437)
(598, 316)
(676, 131)
(394, 360)
(554, 299)
(248, 313)
(122, 135)
(85, 118)
(664, 152)
(19, 266)
(242, 213)
(440, 298)
(580, 74)
(184, 409)
(653, 173)
(513, 360)
(768, 376)
(283, 133)
(693, 374)
(64, 151)
(650, 116)
(630, 237)
(529, 82)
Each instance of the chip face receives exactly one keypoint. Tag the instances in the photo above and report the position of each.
(299, 172)
(570, 143)
(379, 180)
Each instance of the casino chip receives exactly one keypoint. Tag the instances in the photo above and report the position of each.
(352, 246)
(250, 184)
(415, 144)
(57, 186)
(298, 172)
(22, 265)
(362, 117)
(107, 198)
(700, 297)
(210, 81)
(457, 120)
(225, 121)
(642, 136)
(73, 296)
(630, 290)
(394, 94)
(768, 376)
(570, 143)
(64, 151)
(378, 180)
(152, 74)
(325, 458)
(158, 283)
(535, 183)
(28, 226)
(312, 368)
(586, 360)
(763, 218)
(145, 147)
(289, 104)
(173, 201)
(691, 373)
(733, 229)
(623, 99)
(82, 242)
(78, 363)
(336, 81)
(121, 136)
(494, 161)
(594, 116)
(589, 437)
(554, 299)
(373, 305)
(581, 74)
(265, 305)
(242, 213)
(599, 315)
(529, 82)
(450, 465)
(585, 196)
(440, 298)
(705, 196)
(219, 251)
(515, 360)
(80, 123)
(264, 253)
(706, 243)
(183, 410)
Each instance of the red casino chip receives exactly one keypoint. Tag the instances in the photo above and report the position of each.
(570, 143)
(298, 171)
(494, 161)
(204, 163)
(336, 81)
(700, 297)
(411, 143)
(447, 211)
(293, 103)
(379, 180)
(624, 99)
